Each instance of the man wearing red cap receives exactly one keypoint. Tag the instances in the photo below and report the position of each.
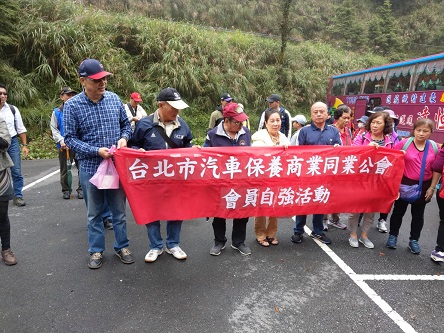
(134, 111)
(230, 132)
(94, 120)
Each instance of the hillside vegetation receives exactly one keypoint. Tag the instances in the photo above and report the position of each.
(49, 38)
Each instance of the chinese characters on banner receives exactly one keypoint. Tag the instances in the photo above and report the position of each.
(180, 184)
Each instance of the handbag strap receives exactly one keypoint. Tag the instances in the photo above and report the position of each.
(424, 158)
(167, 139)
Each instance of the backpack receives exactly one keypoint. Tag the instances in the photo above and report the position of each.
(410, 140)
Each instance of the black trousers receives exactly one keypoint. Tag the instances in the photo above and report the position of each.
(417, 209)
(440, 238)
(238, 234)
(5, 227)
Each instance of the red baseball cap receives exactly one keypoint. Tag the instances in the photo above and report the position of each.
(235, 111)
(136, 97)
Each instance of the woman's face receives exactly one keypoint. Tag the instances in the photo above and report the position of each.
(273, 124)
(377, 125)
(422, 133)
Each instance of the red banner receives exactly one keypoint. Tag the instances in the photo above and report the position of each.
(180, 184)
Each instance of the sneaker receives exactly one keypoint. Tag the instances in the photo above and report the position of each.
(19, 201)
(9, 257)
(367, 243)
(382, 226)
(325, 225)
(353, 242)
(391, 242)
(152, 255)
(242, 248)
(337, 224)
(217, 249)
(108, 224)
(297, 238)
(80, 195)
(125, 256)
(95, 260)
(66, 195)
(177, 252)
(414, 247)
(324, 239)
(437, 256)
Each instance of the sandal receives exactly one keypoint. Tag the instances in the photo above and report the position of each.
(263, 242)
(273, 241)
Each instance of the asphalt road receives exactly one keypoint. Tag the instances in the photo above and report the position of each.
(286, 288)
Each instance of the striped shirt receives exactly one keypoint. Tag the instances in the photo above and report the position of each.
(89, 126)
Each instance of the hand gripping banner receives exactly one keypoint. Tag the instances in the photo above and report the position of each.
(235, 182)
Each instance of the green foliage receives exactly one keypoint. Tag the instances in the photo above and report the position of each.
(147, 55)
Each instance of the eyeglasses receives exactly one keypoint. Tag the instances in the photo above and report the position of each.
(236, 122)
(3, 93)
(98, 80)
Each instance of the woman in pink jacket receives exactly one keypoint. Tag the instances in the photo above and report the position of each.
(414, 154)
(378, 134)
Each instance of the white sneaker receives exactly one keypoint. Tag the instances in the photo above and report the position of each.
(152, 255)
(382, 226)
(176, 252)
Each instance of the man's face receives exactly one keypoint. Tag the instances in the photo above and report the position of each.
(94, 87)
(166, 112)
(319, 114)
(65, 97)
(3, 96)
(274, 105)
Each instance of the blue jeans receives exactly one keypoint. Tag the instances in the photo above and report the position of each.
(106, 214)
(95, 200)
(173, 234)
(16, 170)
(301, 220)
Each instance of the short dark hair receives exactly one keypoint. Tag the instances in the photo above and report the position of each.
(340, 110)
(269, 112)
(387, 122)
(3, 86)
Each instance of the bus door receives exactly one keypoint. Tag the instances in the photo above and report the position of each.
(360, 108)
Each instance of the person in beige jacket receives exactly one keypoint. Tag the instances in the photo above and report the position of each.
(269, 136)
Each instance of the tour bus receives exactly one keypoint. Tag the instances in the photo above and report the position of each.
(412, 89)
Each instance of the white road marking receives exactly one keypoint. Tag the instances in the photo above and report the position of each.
(40, 180)
(359, 281)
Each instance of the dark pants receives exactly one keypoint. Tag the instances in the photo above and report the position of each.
(5, 227)
(417, 209)
(64, 170)
(440, 238)
(239, 230)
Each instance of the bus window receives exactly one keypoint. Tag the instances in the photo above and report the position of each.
(353, 86)
(399, 84)
(338, 89)
(373, 87)
(431, 81)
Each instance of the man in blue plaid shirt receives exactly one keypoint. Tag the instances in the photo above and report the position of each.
(94, 120)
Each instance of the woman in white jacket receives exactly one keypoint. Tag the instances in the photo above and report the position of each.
(269, 136)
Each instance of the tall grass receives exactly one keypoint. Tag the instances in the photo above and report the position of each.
(147, 55)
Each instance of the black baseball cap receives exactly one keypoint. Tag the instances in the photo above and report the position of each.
(172, 97)
(226, 97)
(274, 98)
(67, 90)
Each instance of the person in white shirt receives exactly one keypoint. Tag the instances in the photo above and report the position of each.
(13, 119)
(134, 111)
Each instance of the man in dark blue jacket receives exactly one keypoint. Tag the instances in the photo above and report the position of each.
(230, 132)
(163, 130)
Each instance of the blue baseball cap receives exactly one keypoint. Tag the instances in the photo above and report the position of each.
(92, 69)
